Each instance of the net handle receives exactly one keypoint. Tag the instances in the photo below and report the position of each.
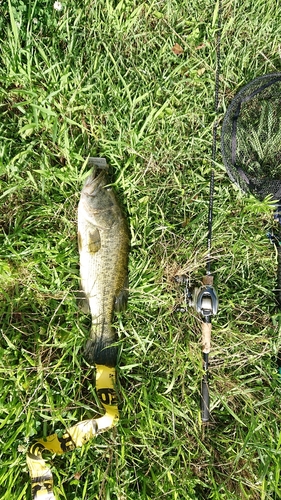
(278, 292)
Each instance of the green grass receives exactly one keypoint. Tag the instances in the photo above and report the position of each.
(100, 79)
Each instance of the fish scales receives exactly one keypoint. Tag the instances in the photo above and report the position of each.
(103, 240)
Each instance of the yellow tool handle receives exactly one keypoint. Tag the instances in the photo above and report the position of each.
(75, 436)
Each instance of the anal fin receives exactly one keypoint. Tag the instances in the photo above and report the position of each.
(122, 298)
(83, 302)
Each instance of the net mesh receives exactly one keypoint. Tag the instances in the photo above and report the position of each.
(251, 137)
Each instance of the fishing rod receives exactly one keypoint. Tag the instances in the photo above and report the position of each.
(204, 299)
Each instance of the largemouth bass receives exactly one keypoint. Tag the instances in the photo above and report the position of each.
(103, 241)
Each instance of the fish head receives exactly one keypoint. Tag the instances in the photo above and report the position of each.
(97, 198)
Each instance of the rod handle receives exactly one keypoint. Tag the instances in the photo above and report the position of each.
(206, 347)
(206, 337)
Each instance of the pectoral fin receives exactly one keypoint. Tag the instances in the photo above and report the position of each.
(94, 241)
(91, 239)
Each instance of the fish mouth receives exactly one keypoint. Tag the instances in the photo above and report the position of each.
(95, 181)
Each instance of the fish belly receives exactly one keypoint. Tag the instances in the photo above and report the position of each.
(102, 279)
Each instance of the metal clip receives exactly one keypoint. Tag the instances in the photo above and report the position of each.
(274, 240)
(277, 213)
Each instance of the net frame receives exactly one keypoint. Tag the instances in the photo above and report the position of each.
(248, 165)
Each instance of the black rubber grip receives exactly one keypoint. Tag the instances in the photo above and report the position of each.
(97, 352)
(205, 400)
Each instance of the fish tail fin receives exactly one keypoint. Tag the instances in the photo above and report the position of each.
(97, 352)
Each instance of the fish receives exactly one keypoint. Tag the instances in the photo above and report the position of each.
(103, 242)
